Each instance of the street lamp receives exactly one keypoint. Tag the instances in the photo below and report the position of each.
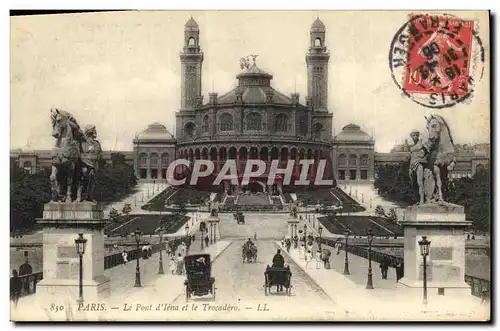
(160, 265)
(305, 235)
(187, 236)
(80, 243)
(211, 233)
(362, 198)
(137, 235)
(369, 284)
(346, 261)
(320, 229)
(424, 251)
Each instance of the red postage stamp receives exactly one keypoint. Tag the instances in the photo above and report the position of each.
(438, 55)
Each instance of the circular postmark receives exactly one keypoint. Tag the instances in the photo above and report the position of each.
(436, 60)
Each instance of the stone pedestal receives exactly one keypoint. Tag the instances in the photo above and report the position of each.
(213, 225)
(444, 226)
(293, 227)
(62, 222)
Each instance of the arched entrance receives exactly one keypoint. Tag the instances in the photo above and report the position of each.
(255, 187)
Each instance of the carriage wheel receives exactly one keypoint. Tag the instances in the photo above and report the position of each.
(289, 290)
(187, 292)
(265, 289)
(213, 291)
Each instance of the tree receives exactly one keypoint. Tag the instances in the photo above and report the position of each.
(113, 215)
(126, 209)
(117, 159)
(392, 216)
(379, 211)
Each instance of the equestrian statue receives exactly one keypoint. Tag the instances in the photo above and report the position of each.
(75, 158)
(431, 159)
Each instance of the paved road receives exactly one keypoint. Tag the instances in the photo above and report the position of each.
(238, 282)
(270, 226)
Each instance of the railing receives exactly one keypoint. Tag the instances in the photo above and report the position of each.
(479, 287)
(28, 282)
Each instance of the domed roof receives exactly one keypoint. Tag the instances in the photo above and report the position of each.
(352, 132)
(28, 149)
(318, 26)
(155, 131)
(191, 25)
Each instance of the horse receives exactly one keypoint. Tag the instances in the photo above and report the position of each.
(66, 154)
(441, 156)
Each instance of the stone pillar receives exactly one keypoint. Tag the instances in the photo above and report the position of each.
(62, 222)
(214, 220)
(444, 225)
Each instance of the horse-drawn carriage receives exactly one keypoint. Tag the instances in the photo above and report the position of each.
(199, 280)
(239, 217)
(249, 253)
(281, 277)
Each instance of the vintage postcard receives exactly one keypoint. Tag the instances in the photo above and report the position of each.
(250, 166)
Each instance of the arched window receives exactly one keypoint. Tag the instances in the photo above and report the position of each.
(164, 159)
(204, 125)
(353, 158)
(226, 122)
(143, 159)
(254, 121)
(191, 42)
(317, 42)
(317, 130)
(153, 160)
(342, 160)
(189, 129)
(363, 161)
(281, 124)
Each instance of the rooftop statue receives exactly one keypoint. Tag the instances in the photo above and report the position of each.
(431, 159)
(248, 61)
(74, 158)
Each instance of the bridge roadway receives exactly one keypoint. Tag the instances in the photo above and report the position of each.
(241, 284)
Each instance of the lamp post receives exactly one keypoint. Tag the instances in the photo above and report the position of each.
(362, 198)
(370, 202)
(424, 251)
(160, 265)
(320, 229)
(305, 235)
(187, 236)
(369, 284)
(211, 233)
(137, 235)
(80, 243)
(346, 261)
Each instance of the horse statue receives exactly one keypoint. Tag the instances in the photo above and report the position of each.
(441, 158)
(431, 160)
(66, 155)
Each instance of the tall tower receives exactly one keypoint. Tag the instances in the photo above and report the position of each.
(191, 60)
(317, 67)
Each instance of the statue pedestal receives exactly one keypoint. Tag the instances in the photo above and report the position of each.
(62, 222)
(444, 225)
(213, 228)
(293, 224)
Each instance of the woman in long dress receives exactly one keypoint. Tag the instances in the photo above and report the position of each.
(318, 259)
(302, 251)
(180, 264)
(309, 257)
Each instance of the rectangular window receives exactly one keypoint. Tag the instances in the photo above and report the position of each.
(341, 174)
(352, 174)
(154, 173)
(364, 174)
(143, 173)
(164, 173)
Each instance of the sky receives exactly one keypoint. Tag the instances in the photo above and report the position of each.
(121, 71)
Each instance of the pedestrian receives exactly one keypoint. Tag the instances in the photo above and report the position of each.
(384, 266)
(318, 259)
(180, 264)
(468, 236)
(339, 245)
(255, 236)
(302, 251)
(125, 257)
(15, 288)
(207, 240)
(172, 264)
(309, 257)
(26, 269)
